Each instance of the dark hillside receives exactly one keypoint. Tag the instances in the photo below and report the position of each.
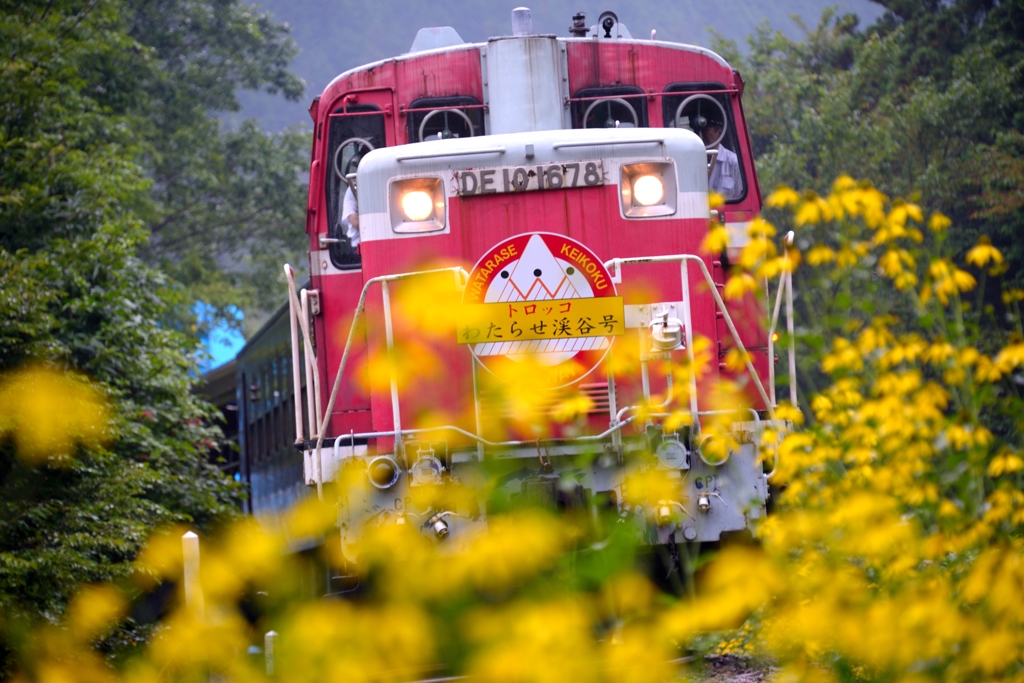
(333, 37)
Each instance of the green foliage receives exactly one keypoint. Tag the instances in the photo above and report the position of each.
(67, 161)
(226, 206)
(79, 180)
(94, 96)
(925, 102)
(94, 307)
(226, 216)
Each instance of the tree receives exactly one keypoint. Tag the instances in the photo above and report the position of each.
(926, 102)
(76, 300)
(226, 207)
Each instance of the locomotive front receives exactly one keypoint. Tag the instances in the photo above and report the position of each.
(520, 309)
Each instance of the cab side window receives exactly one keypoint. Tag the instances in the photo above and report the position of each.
(707, 111)
(443, 118)
(621, 106)
(352, 132)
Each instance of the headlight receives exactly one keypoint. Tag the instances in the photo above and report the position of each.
(648, 189)
(417, 205)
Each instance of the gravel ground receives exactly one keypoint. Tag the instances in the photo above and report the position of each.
(732, 669)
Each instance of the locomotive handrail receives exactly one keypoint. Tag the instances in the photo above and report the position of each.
(785, 288)
(438, 155)
(608, 143)
(322, 421)
(651, 95)
(450, 107)
(295, 308)
(479, 439)
(615, 265)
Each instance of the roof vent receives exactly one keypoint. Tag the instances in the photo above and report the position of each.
(522, 21)
(436, 37)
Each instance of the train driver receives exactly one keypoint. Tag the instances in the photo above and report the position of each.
(350, 211)
(724, 176)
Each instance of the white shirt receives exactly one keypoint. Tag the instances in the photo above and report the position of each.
(725, 177)
(348, 207)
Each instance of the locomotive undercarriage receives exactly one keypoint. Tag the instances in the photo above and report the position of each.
(584, 479)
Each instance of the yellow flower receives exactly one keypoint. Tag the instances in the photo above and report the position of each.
(983, 253)
(773, 266)
(1010, 357)
(716, 241)
(903, 211)
(820, 254)
(759, 227)
(939, 352)
(48, 412)
(94, 611)
(844, 356)
(754, 252)
(813, 210)
(781, 198)
(789, 413)
(939, 222)
(844, 183)
(1005, 463)
(847, 258)
(1013, 294)
(738, 286)
(949, 280)
(964, 280)
(571, 408)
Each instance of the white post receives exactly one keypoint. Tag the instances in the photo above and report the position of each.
(193, 590)
(269, 641)
(792, 338)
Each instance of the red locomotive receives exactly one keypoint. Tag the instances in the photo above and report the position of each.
(507, 274)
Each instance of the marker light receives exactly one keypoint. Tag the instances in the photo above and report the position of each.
(648, 190)
(417, 205)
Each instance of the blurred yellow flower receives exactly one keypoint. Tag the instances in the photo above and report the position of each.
(1013, 294)
(1010, 357)
(844, 356)
(781, 198)
(49, 412)
(983, 253)
(759, 227)
(948, 280)
(1006, 462)
(846, 258)
(739, 285)
(716, 240)
(820, 254)
(939, 222)
(572, 408)
(844, 183)
(95, 610)
(813, 210)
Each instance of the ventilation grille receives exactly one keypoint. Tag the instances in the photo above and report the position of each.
(496, 406)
